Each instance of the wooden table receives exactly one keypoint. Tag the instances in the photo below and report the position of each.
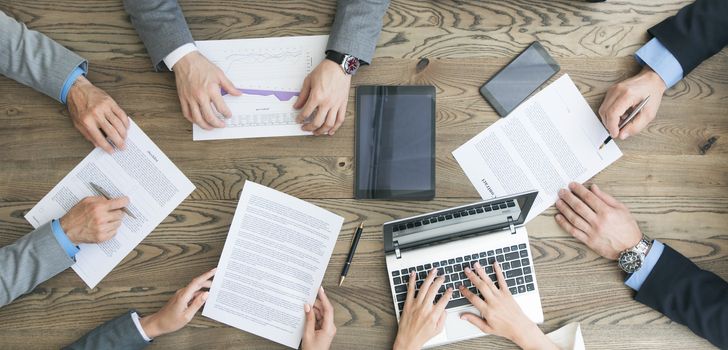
(676, 194)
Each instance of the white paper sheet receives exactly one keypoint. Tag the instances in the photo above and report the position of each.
(154, 185)
(551, 139)
(270, 73)
(274, 259)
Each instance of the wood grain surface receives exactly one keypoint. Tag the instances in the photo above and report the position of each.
(678, 195)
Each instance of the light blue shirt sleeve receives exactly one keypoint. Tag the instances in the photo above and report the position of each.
(80, 70)
(636, 279)
(661, 60)
(70, 248)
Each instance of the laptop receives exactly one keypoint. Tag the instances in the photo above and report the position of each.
(455, 238)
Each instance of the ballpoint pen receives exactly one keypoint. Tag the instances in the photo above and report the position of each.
(354, 243)
(106, 195)
(629, 118)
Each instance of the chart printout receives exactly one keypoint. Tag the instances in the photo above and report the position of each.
(269, 72)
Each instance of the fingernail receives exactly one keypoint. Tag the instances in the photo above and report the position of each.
(624, 136)
(462, 317)
(307, 308)
(477, 264)
(205, 296)
(322, 289)
(467, 269)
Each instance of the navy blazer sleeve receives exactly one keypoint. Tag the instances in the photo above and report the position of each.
(688, 295)
(695, 33)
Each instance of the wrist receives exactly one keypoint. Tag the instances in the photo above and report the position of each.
(530, 338)
(184, 63)
(149, 325)
(68, 231)
(73, 93)
(399, 344)
(653, 78)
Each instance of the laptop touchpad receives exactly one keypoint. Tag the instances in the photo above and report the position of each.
(459, 329)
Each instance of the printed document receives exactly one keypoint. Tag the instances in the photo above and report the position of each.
(551, 139)
(274, 259)
(154, 185)
(269, 72)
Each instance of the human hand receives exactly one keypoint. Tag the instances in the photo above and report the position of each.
(198, 85)
(93, 219)
(96, 115)
(325, 91)
(179, 310)
(421, 318)
(319, 330)
(597, 220)
(630, 93)
(500, 313)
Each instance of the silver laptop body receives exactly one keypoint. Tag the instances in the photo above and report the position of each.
(453, 238)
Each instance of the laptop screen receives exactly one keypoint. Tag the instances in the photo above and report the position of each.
(492, 215)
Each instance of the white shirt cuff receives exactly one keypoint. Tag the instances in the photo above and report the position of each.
(135, 318)
(178, 53)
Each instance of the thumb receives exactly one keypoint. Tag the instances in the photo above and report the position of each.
(196, 304)
(477, 322)
(118, 203)
(228, 85)
(639, 122)
(303, 96)
(310, 327)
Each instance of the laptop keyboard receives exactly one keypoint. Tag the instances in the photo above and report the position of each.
(514, 261)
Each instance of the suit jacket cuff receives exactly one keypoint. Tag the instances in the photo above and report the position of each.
(661, 60)
(138, 324)
(119, 333)
(362, 49)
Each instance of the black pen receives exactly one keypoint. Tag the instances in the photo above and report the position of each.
(627, 120)
(354, 243)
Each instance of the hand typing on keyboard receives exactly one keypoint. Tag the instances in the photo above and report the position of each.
(422, 317)
(501, 315)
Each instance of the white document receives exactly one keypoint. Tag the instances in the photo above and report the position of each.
(551, 139)
(154, 185)
(269, 72)
(274, 259)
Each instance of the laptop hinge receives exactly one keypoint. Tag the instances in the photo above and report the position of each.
(397, 252)
(511, 225)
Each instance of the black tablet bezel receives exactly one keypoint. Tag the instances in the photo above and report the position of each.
(547, 59)
(393, 194)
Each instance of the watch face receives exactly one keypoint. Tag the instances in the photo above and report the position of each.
(350, 64)
(630, 261)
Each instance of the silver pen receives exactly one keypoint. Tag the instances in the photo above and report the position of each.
(106, 195)
(627, 120)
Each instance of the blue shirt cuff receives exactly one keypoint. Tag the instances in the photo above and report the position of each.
(70, 248)
(636, 279)
(661, 60)
(80, 70)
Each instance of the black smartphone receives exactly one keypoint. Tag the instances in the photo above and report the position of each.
(519, 79)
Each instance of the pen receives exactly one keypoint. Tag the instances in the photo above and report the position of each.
(354, 243)
(629, 118)
(108, 197)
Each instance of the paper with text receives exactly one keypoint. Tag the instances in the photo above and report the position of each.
(269, 72)
(154, 185)
(551, 139)
(274, 259)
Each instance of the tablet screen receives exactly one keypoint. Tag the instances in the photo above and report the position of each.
(395, 142)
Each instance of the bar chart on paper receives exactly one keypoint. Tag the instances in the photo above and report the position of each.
(269, 72)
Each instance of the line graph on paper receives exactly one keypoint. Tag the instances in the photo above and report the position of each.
(270, 73)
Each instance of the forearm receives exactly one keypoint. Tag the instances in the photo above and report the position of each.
(356, 27)
(31, 260)
(34, 59)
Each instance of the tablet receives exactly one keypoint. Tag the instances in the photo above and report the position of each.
(395, 142)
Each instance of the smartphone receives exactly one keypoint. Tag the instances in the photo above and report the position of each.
(519, 79)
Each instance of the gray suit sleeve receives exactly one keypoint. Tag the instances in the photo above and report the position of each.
(356, 27)
(119, 333)
(34, 59)
(161, 26)
(31, 260)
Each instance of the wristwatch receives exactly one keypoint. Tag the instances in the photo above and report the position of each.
(631, 259)
(348, 63)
